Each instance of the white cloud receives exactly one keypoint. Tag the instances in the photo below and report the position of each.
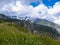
(51, 13)
(4, 8)
(55, 12)
(28, 2)
(41, 11)
(55, 9)
(57, 21)
(17, 7)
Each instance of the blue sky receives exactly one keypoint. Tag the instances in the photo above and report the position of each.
(46, 2)
(43, 9)
(50, 2)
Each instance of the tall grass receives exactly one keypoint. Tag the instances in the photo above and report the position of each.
(11, 34)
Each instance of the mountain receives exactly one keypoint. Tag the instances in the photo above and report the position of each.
(46, 23)
(13, 34)
(37, 27)
(2, 16)
(41, 29)
(24, 32)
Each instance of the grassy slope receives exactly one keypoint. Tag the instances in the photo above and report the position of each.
(11, 34)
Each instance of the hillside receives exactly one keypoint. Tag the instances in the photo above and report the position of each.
(33, 27)
(46, 23)
(24, 32)
(10, 34)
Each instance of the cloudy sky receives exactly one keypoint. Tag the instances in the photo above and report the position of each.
(44, 9)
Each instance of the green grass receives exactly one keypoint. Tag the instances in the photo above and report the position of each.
(11, 34)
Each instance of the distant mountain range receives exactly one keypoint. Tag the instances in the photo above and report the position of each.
(35, 26)
(46, 23)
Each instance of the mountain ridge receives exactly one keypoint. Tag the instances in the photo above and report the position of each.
(34, 27)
